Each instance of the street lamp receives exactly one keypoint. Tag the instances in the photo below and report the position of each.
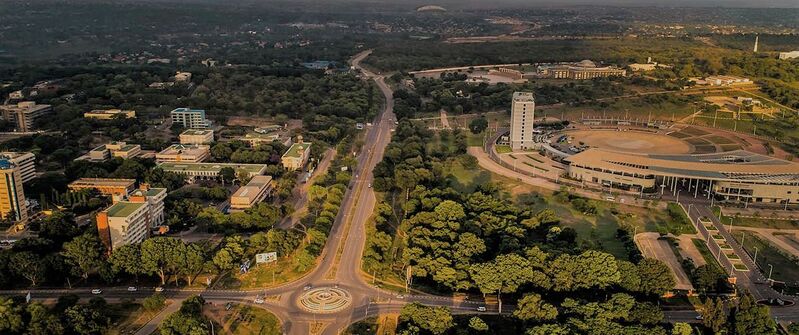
(730, 229)
(755, 256)
(770, 268)
(678, 196)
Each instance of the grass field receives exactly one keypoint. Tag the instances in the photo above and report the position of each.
(786, 268)
(128, 317)
(709, 259)
(246, 320)
(759, 223)
(265, 275)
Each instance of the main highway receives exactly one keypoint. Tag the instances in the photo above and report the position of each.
(333, 295)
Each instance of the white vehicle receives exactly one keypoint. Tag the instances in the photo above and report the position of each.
(481, 309)
(159, 289)
(132, 289)
(400, 296)
(306, 287)
(259, 300)
(97, 291)
(610, 198)
(370, 185)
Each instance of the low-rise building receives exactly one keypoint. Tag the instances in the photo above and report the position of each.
(109, 114)
(197, 136)
(184, 153)
(129, 220)
(255, 139)
(189, 118)
(182, 76)
(789, 55)
(16, 95)
(585, 69)
(109, 186)
(297, 155)
(114, 149)
(722, 81)
(24, 114)
(255, 191)
(210, 171)
(25, 162)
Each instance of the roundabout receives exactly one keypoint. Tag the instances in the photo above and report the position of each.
(324, 300)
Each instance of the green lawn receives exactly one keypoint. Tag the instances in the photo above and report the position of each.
(786, 268)
(758, 223)
(709, 259)
(265, 275)
(253, 320)
(503, 149)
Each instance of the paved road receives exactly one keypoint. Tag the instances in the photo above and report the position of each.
(652, 247)
(301, 191)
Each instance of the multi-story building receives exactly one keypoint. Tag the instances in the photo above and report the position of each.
(189, 118)
(522, 112)
(12, 196)
(255, 191)
(24, 114)
(129, 220)
(113, 149)
(184, 153)
(789, 55)
(108, 186)
(109, 114)
(585, 69)
(297, 155)
(25, 163)
(210, 171)
(197, 136)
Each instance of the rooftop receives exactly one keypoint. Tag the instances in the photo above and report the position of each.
(296, 148)
(253, 187)
(187, 110)
(189, 149)
(523, 96)
(104, 182)
(197, 132)
(123, 209)
(199, 167)
(732, 165)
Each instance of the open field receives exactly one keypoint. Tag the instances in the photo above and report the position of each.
(785, 268)
(244, 320)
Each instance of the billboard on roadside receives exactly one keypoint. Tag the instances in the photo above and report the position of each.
(267, 257)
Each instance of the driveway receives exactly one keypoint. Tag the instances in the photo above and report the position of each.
(659, 249)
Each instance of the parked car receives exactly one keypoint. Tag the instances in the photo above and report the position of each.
(97, 291)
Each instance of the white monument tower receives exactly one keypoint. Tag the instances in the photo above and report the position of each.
(757, 37)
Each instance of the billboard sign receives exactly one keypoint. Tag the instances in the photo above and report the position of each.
(267, 257)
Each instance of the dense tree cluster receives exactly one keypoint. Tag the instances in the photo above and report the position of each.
(67, 317)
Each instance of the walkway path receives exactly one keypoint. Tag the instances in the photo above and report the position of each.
(689, 250)
(444, 120)
(152, 325)
(300, 193)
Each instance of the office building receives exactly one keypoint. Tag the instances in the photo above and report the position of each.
(129, 220)
(789, 55)
(184, 153)
(210, 171)
(522, 112)
(297, 155)
(736, 176)
(24, 114)
(109, 114)
(189, 118)
(585, 69)
(25, 163)
(108, 186)
(197, 136)
(12, 196)
(254, 192)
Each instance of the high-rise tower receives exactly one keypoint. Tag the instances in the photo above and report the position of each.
(522, 111)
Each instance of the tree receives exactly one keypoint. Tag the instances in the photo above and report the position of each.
(478, 125)
(159, 256)
(228, 174)
(533, 307)
(646, 313)
(752, 319)
(478, 324)
(154, 302)
(87, 319)
(437, 320)
(656, 277)
(10, 316)
(548, 329)
(713, 315)
(42, 322)
(85, 254)
(28, 265)
(630, 279)
(188, 320)
(682, 328)
(127, 258)
(589, 269)
(709, 278)
(192, 260)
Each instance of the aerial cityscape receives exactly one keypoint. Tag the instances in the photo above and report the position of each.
(379, 167)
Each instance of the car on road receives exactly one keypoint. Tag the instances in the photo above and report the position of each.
(400, 296)
(481, 309)
(306, 287)
(259, 300)
(159, 289)
(699, 317)
(228, 306)
(370, 185)
(97, 291)
(132, 289)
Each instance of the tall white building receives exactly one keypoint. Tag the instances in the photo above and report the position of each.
(189, 118)
(522, 112)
